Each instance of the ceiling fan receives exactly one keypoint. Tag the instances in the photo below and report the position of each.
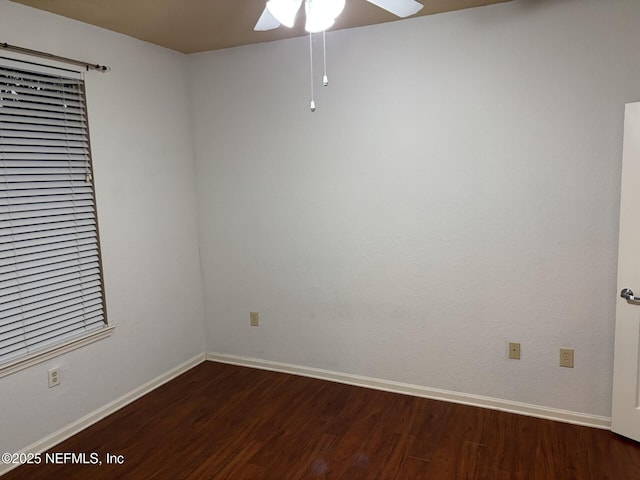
(321, 14)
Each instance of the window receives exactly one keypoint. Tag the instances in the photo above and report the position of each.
(51, 284)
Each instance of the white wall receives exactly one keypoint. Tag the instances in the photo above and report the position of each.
(456, 188)
(143, 162)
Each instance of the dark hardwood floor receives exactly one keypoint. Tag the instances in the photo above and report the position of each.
(221, 421)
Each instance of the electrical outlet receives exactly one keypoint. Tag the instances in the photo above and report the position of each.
(514, 350)
(566, 357)
(54, 377)
(254, 319)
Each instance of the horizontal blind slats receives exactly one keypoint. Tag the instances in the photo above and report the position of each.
(44, 284)
(28, 345)
(13, 140)
(34, 187)
(28, 244)
(12, 89)
(49, 147)
(53, 208)
(50, 274)
(24, 305)
(71, 282)
(25, 115)
(40, 272)
(13, 220)
(32, 96)
(42, 200)
(14, 76)
(30, 190)
(55, 328)
(40, 122)
(55, 308)
(11, 331)
(45, 157)
(42, 104)
(47, 249)
(12, 129)
(12, 266)
(42, 228)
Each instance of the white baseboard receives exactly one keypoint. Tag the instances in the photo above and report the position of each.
(566, 416)
(97, 415)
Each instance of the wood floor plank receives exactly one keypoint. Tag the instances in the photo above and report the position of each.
(413, 468)
(221, 421)
(447, 457)
(496, 435)
(429, 429)
(314, 462)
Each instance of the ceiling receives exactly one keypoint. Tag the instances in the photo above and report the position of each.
(190, 26)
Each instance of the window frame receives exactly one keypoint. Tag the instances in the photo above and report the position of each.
(50, 351)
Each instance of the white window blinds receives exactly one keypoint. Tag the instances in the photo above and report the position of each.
(51, 287)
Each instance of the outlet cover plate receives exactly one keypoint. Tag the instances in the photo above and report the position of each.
(566, 357)
(54, 377)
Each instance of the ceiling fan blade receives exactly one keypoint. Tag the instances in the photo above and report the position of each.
(266, 22)
(401, 8)
(284, 11)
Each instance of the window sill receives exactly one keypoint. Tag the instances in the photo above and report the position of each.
(44, 355)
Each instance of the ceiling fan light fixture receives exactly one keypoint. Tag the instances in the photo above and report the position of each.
(321, 14)
(317, 23)
(284, 11)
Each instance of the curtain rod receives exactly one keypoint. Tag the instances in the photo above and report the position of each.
(36, 53)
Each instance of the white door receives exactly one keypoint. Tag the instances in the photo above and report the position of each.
(626, 382)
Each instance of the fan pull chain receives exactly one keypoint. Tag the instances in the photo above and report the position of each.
(313, 103)
(325, 79)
